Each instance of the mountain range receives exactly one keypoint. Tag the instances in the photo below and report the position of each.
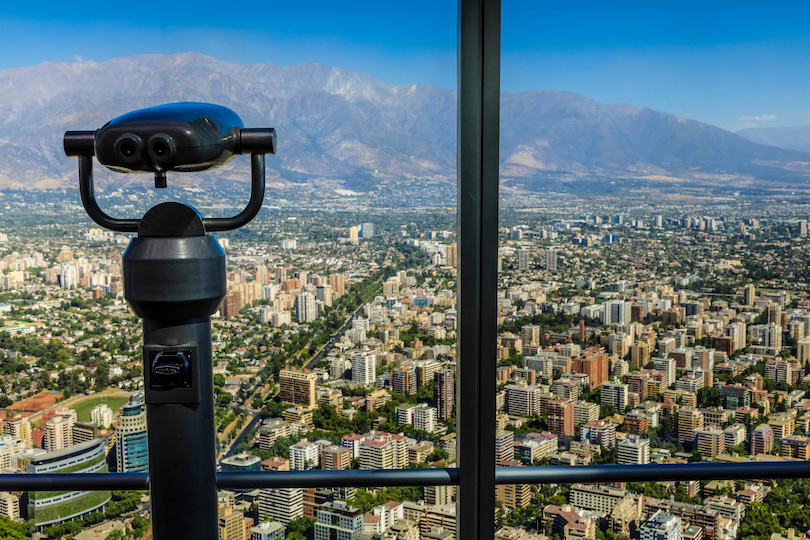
(348, 130)
(792, 138)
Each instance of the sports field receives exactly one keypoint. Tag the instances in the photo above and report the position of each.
(83, 408)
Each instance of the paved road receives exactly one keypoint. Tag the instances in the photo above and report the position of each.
(334, 338)
(256, 418)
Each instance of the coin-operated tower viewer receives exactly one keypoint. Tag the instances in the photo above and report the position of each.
(174, 279)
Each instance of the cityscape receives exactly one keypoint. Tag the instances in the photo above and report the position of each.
(631, 330)
(650, 315)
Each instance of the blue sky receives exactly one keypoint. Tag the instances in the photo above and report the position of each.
(731, 64)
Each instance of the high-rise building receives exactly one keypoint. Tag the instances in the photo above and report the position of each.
(384, 451)
(504, 446)
(616, 394)
(662, 526)
(523, 259)
(131, 438)
(585, 412)
(762, 440)
(231, 523)
(260, 275)
(363, 366)
(47, 507)
(616, 312)
(9, 505)
(593, 362)
(298, 386)
(58, 433)
(749, 293)
(231, 304)
(101, 415)
(367, 230)
(561, 417)
(772, 337)
(354, 236)
(419, 415)
(83, 432)
(689, 419)
(337, 520)
(551, 259)
(68, 278)
(336, 458)
(241, 462)
(451, 255)
(514, 495)
(336, 281)
(324, 294)
(268, 530)
(280, 275)
(599, 432)
(444, 394)
(634, 450)
(281, 504)
(709, 441)
(639, 354)
(667, 365)
(736, 331)
(306, 310)
(20, 428)
(530, 334)
(795, 446)
(304, 455)
(403, 381)
(804, 351)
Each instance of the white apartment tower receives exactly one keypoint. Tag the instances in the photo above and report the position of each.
(58, 433)
(101, 415)
(305, 308)
(615, 393)
(363, 366)
(634, 450)
(282, 504)
(662, 526)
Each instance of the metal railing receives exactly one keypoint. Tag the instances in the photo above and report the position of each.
(587, 474)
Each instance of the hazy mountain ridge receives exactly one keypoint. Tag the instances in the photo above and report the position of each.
(342, 126)
(791, 138)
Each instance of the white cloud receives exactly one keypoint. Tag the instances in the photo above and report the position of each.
(759, 118)
(79, 58)
(746, 125)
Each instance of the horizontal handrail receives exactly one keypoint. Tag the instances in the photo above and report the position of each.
(422, 477)
(74, 482)
(348, 478)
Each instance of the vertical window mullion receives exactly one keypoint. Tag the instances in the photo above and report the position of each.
(478, 117)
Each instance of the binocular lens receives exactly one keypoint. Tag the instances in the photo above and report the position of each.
(128, 149)
(160, 149)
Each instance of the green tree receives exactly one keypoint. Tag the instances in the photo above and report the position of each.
(9, 530)
(759, 523)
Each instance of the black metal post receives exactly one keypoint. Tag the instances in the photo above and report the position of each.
(478, 116)
(174, 278)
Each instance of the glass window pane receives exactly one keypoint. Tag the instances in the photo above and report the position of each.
(335, 345)
(651, 208)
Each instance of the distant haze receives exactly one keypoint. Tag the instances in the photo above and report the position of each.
(792, 138)
(353, 130)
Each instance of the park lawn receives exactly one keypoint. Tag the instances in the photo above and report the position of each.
(83, 408)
